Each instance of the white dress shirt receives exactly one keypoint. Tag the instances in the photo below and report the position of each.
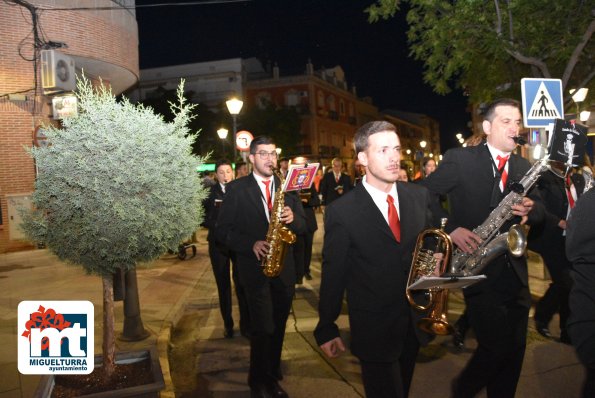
(379, 197)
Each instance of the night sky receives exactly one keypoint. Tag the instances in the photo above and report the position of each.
(289, 32)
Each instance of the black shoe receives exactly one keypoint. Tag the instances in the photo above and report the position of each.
(542, 329)
(259, 391)
(276, 391)
(228, 333)
(308, 276)
(267, 390)
(458, 338)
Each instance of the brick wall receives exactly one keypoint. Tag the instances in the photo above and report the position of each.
(108, 36)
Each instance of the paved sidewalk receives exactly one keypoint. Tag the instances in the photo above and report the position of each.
(203, 364)
(164, 288)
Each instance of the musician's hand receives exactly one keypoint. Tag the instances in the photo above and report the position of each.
(523, 208)
(562, 224)
(287, 215)
(438, 257)
(465, 240)
(333, 348)
(260, 249)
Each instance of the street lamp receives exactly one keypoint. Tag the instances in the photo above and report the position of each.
(579, 96)
(234, 106)
(222, 133)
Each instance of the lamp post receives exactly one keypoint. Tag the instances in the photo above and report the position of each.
(234, 106)
(222, 133)
(422, 144)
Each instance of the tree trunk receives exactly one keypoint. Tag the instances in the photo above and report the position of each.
(109, 342)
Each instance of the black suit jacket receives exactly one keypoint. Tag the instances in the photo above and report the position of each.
(309, 209)
(362, 257)
(212, 205)
(552, 190)
(242, 221)
(328, 186)
(466, 175)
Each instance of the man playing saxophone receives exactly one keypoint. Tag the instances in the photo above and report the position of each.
(242, 226)
(476, 179)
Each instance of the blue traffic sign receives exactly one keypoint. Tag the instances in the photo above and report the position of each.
(542, 101)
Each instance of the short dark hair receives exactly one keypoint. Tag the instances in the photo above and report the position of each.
(360, 141)
(490, 110)
(283, 160)
(240, 164)
(260, 140)
(222, 162)
(426, 160)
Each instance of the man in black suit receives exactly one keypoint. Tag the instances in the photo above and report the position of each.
(580, 249)
(242, 225)
(221, 257)
(476, 179)
(370, 235)
(549, 240)
(310, 202)
(335, 183)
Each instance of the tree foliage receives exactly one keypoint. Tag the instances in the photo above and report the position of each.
(487, 47)
(118, 184)
(282, 124)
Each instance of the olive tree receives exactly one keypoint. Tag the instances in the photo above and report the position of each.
(116, 187)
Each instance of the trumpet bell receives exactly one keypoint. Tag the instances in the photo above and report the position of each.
(439, 327)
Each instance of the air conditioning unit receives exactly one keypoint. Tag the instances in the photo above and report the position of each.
(57, 72)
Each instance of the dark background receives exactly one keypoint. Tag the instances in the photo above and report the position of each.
(329, 32)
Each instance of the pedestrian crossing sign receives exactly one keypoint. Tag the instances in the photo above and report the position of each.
(542, 101)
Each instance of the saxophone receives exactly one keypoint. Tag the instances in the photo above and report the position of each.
(493, 243)
(278, 235)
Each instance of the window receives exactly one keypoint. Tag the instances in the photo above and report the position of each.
(292, 98)
(320, 99)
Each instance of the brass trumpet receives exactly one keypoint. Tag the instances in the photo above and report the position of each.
(425, 263)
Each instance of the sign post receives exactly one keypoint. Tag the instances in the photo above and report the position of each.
(542, 101)
(243, 140)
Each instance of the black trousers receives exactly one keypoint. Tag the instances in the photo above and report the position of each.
(499, 317)
(391, 379)
(308, 242)
(555, 298)
(221, 259)
(269, 306)
(298, 250)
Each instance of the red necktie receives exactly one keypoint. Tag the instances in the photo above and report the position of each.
(393, 218)
(268, 190)
(336, 178)
(501, 163)
(569, 192)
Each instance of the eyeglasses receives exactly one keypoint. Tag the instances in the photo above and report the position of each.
(267, 155)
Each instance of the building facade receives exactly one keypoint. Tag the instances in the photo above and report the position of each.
(331, 113)
(64, 43)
